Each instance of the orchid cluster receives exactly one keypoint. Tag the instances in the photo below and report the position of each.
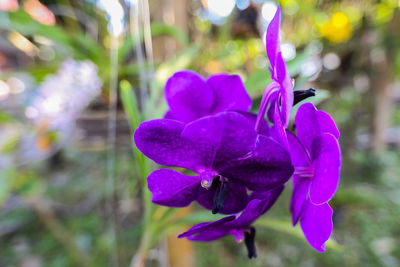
(237, 162)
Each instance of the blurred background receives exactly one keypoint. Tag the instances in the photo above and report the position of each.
(70, 190)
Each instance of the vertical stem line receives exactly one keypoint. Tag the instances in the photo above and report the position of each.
(112, 117)
(139, 16)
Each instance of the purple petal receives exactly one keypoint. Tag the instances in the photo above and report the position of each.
(188, 96)
(272, 101)
(172, 189)
(266, 167)
(272, 38)
(269, 99)
(256, 208)
(327, 124)
(299, 155)
(169, 115)
(326, 159)
(209, 231)
(199, 145)
(221, 138)
(307, 127)
(235, 202)
(161, 141)
(311, 123)
(278, 129)
(316, 223)
(300, 191)
(229, 93)
(286, 89)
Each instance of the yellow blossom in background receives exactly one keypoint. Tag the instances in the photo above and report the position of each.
(213, 67)
(338, 29)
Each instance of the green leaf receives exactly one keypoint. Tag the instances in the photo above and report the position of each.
(257, 82)
(285, 226)
(295, 65)
(181, 61)
(170, 30)
(5, 118)
(10, 145)
(6, 177)
(130, 104)
(198, 217)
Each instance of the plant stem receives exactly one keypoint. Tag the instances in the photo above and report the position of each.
(46, 215)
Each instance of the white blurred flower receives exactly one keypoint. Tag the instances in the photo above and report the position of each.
(64, 95)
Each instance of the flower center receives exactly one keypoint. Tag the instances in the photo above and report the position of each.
(300, 95)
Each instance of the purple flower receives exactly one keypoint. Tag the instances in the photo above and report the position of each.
(223, 150)
(189, 97)
(240, 225)
(278, 98)
(279, 94)
(316, 156)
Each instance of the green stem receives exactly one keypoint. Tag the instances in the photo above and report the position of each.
(46, 215)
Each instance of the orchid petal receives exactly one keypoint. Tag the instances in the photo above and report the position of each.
(286, 89)
(208, 231)
(316, 223)
(272, 38)
(161, 141)
(311, 123)
(266, 167)
(257, 207)
(298, 154)
(327, 124)
(299, 195)
(199, 145)
(188, 96)
(278, 129)
(269, 98)
(173, 189)
(229, 93)
(307, 126)
(326, 157)
(215, 135)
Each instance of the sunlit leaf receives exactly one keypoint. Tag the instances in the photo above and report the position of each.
(285, 226)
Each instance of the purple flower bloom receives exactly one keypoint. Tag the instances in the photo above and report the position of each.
(279, 94)
(189, 97)
(223, 150)
(239, 226)
(316, 156)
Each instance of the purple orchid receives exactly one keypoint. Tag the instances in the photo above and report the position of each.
(240, 225)
(189, 97)
(279, 95)
(235, 161)
(223, 150)
(280, 92)
(316, 156)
